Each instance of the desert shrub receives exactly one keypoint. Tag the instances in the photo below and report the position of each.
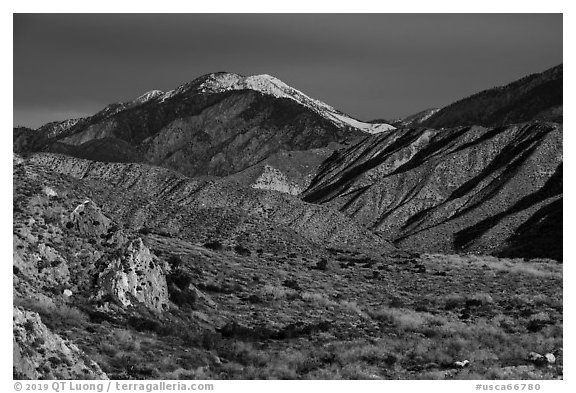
(52, 314)
(322, 264)
(240, 250)
(352, 306)
(180, 278)
(405, 319)
(454, 301)
(274, 292)
(214, 245)
(144, 231)
(182, 297)
(125, 340)
(292, 284)
(174, 261)
(145, 324)
(396, 302)
(318, 299)
(538, 321)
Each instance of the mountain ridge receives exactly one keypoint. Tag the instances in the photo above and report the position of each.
(449, 190)
(202, 127)
(534, 97)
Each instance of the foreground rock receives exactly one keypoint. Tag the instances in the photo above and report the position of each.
(136, 276)
(40, 354)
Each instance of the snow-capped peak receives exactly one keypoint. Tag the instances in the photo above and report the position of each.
(267, 84)
(149, 95)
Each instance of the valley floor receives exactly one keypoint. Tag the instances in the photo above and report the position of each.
(266, 316)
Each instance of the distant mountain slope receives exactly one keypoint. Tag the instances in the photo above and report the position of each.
(534, 97)
(147, 196)
(218, 124)
(287, 171)
(465, 189)
(416, 119)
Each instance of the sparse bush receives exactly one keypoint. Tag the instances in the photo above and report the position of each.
(144, 231)
(174, 261)
(322, 264)
(214, 245)
(292, 284)
(278, 293)
(318, 299)
(52, 314)
(240, 250)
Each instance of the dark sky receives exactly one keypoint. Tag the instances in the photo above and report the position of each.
(367, 65)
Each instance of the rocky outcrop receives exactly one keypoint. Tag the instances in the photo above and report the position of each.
(137, 276)
(88, 219)
(40, 354)
(467, 189)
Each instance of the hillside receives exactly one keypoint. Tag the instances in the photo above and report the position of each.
(127, 271)
(464, 189)
(287, 171)
(415, 119)
(235, 228)
(534, 97)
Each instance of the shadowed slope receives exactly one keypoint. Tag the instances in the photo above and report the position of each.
(463, 189)
(534, 97)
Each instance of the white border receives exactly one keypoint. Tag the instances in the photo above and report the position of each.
(300, 6)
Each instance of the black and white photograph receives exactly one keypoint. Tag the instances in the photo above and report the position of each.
(287, 196)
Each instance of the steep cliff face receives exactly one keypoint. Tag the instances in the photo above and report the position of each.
(534, 97)
(462, 189)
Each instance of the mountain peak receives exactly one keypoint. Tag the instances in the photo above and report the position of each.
(270, 85)
(149, 95)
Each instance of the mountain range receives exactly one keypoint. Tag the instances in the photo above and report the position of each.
(236, 227)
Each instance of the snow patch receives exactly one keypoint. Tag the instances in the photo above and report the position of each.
(149, 95)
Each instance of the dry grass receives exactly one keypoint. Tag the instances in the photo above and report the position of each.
(538, 268)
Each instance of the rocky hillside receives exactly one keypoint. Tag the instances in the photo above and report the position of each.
(489, 190)
(416, 119)
(218, 124)
(127, 271)
(154, 197)
(534, 97)
(287, 171)
(235, 228)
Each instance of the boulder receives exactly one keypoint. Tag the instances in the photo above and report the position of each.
(49, 191)
(462, 364)
(537, 359)
(550, 358)
(136, 276)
